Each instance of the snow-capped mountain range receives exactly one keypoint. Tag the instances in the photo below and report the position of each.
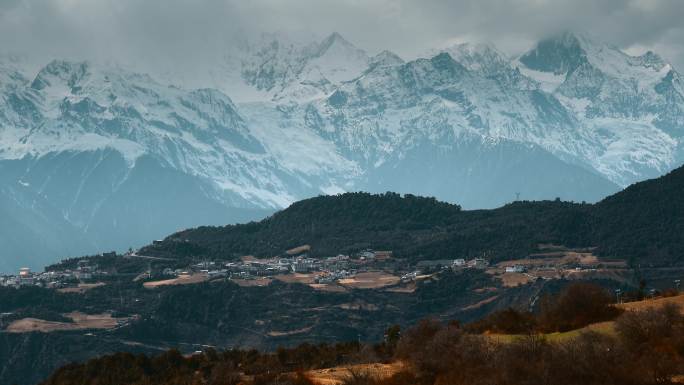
(96, 157)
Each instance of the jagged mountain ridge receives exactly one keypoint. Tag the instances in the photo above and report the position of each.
(604, 144)
(618, 97)
(122, 157)
(465, 124)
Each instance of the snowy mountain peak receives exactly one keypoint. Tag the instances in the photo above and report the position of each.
(564, 53)
(478, 56)
(336, 41)
(443, 62)
(385, 58)
(338, 60)
(60, 72)
(559, 54)
(285, 69)
(12, 68)
(653, 60)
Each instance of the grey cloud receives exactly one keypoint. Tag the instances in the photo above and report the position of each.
(187, 33)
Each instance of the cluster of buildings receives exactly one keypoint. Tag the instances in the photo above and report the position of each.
(246, 269)
(326, 270)
(24, 278)
(51, 279)
(444, 264)
(460, 263)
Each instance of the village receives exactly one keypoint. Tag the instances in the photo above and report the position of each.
(367, 269)
(53, 279)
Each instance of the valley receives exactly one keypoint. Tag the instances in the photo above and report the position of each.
(338, 268)
(377, 192)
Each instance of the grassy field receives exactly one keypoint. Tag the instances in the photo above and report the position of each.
(370, 280)
(184, 279)
(601, 327)
(80, 321)
(336, 376)
(653, 303)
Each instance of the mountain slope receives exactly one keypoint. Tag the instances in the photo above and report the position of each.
(619, 98)
(464, 127)
(113, 151)
(642, 223)
(284, 68)
(32, 230)
(645, 221)
(123, 157)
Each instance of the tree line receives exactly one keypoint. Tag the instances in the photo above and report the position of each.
(646, 347)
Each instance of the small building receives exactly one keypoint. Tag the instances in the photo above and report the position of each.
(515, 269)
(217, 273)
(409, 277)
(85, 270)
(367, 254)
(338, 262)
(479, 263)
(383, 255)
(304, 265)
(25, 277)
(459, 262)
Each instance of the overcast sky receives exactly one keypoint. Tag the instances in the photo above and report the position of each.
(193, 31)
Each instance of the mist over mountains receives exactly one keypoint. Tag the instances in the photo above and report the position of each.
(96, 157)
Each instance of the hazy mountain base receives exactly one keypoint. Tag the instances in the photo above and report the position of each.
(478, 174)
(74, 203)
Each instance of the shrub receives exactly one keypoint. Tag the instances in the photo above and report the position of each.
(579, 305)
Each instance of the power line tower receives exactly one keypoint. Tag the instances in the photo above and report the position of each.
(517, 197)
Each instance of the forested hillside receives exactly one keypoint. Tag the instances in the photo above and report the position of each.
(643, 223)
